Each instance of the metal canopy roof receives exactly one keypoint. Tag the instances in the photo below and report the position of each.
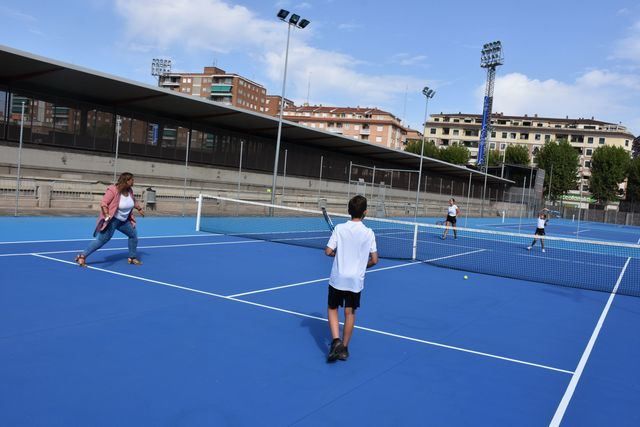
(22, 70)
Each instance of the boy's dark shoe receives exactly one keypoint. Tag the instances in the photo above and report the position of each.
(344, 354)
(335, 350)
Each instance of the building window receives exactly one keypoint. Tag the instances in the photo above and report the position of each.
(547, 138)
(587, 164)
(432, 131)
(457, 132)
(380, 128)
(504, 135)
(512, 135)
(590, 140)
(589, 151)
(524, 136)
(378, 139)
(600, 141)
(356, 127)
(537, 137)
(626, 142)
(493, 134)
(503, 146)
(492, 145)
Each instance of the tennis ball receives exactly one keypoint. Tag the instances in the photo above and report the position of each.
(268, 190)
(466, 277)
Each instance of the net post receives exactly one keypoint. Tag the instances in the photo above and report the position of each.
(199, 213)
(415, 242)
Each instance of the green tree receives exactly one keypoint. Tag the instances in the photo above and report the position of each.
(456, 154)
(560, 161)
(633, 181)
(635, 147)
(517, 155)
(494, 157)
(430, 149)
(609, 167)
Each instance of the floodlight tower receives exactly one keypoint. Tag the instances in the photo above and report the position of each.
(160, 67)
(491, 57)
(296, 22)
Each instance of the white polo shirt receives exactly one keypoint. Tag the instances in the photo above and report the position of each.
(353, 242)
(452, 210)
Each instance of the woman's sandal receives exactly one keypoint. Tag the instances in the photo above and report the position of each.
(134, 261)
(81, 260)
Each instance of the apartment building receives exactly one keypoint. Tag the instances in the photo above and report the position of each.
(272, 105)
(366, 124)
(218, 85)
(529, 131)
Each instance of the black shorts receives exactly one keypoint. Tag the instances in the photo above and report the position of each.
(339, 298)
(451, 219)
(539, 232)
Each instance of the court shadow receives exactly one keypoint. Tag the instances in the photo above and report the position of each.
(319, 330)
(112, 259)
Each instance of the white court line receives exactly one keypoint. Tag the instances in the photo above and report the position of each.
(19, 242)
(183, 245)
(308, 282)
(571, 388)
(295, 313)
(580, 231)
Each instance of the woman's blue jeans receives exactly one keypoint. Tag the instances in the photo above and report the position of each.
(105, 235)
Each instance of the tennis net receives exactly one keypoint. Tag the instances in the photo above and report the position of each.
(594, 265)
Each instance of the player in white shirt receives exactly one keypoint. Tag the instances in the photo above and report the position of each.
(452, 215)
(354, 247)
(542, 222)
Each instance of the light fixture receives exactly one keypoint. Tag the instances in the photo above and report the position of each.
(294, 19)
(283, 14)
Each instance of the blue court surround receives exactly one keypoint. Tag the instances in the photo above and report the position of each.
(168, 343)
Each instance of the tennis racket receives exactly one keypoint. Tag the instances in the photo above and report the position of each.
(327, 218)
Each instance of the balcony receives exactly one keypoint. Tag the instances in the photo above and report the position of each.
(221, 89)
(366, 131)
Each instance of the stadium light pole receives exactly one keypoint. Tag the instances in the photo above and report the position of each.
(428, 94)
(293, 21)
(490, 58)
(160, 67)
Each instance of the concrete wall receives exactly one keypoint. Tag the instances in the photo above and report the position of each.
(67, 182)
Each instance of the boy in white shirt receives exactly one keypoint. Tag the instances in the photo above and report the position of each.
(354, 247)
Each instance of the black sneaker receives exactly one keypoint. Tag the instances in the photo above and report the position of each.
(336, 349)
(344, 353)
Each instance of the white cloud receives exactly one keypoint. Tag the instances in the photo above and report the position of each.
(216, 25)
(408, 60)
(17, 15)
(628, 48)
(601, 94)
(349, 26)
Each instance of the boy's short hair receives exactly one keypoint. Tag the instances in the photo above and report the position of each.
(357, 206)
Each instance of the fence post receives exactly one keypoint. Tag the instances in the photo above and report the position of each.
(19, 159)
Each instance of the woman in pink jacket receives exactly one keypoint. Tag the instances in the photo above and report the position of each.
(116, 213)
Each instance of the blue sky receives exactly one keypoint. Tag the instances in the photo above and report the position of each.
(575, 58)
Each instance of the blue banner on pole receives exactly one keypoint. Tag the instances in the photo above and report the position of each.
(486, 111)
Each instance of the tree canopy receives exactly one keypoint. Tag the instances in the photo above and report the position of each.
(560, 161)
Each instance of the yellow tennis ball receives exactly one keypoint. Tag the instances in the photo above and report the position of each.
(268, 190)
(466, 277)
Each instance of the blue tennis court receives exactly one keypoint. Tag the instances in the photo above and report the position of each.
(226, 330)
